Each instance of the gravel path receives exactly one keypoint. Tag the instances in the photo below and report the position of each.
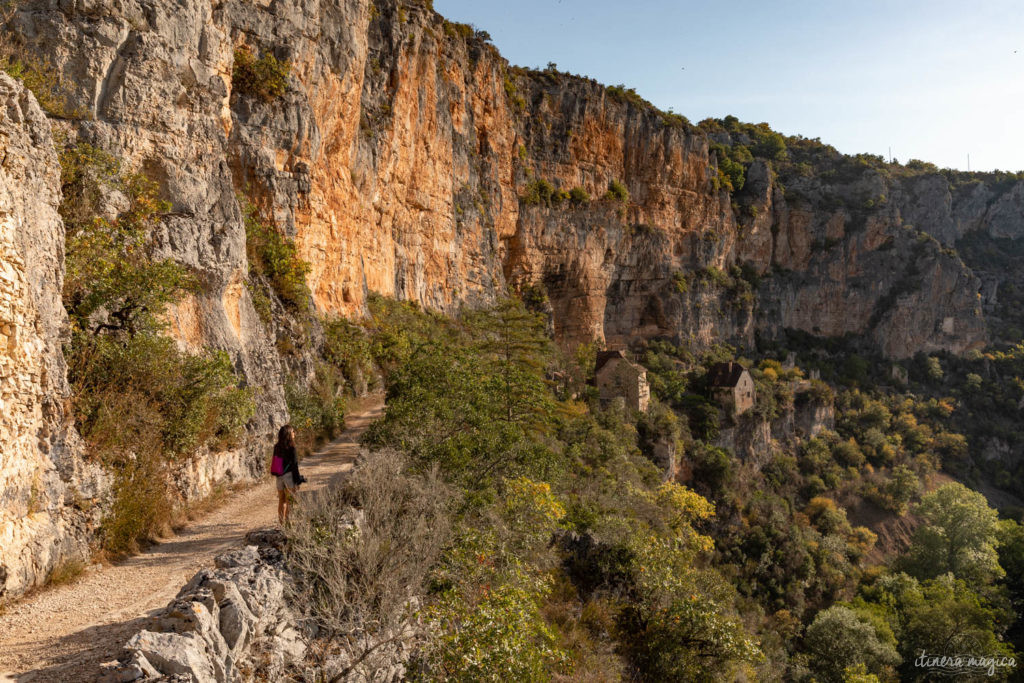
(63, 633)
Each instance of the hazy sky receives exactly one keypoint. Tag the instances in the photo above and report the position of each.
(935, 80)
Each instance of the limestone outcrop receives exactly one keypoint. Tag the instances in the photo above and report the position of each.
(229, 623)
(46, 489)
(234, 623)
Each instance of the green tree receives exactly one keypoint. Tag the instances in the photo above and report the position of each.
(902, 487)
(950, 618)
(475, 403)
(512, 342)
(840, 637)
(678, 626)
(113, 283)
(958, 534)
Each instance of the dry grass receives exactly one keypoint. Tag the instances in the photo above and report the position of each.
(221, 494)
(66, 572)
(360, 554)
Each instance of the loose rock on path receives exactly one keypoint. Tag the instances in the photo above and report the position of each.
(64, 633)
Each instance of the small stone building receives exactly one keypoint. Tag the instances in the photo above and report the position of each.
(732, 387)
(617, 377)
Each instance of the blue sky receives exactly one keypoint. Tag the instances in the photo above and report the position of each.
(934, 80)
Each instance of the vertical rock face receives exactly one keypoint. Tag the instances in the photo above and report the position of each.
(151, 82)
(41, 471)
(398, 155)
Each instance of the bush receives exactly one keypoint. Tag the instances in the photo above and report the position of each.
(138, 400)
(140, 403)
(142, 505)
(113, 284)
(265, 77)
(732, 174)
(38, 76)
(348, 347)
(578, 195)
(617, 192)
(678, 627)
(274, 256)
(360, 554)
(475, 403)
(839, 637)
(540, 191)
(317, 411)
(494, 635)
(712, 467)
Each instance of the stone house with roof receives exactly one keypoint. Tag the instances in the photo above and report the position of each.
(617, 377)
(732, 387)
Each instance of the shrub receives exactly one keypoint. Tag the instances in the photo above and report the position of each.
(145, 384)
(839, 637)
(113, 284)
(317, 411)
(732, 173)
(360, 554)
(495, 634)
(712, 467)
(348, 348)
(138, 400)
(473, 404)
(454, 29)
(39, 77)
(578, 195)
(621, 93)
(66, 572)
(540, 191)
(142, 504)
(677, 626)
(274, 256)
(265, 77)
(617, 192)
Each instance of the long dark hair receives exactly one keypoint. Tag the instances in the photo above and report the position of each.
(285, 438)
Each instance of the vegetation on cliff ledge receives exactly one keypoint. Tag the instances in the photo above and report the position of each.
(139, 401)
(264, 77)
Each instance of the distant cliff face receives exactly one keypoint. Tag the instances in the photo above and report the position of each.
(398, 158)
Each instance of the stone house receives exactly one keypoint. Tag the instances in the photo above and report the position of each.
(616, 377)
(732, 387)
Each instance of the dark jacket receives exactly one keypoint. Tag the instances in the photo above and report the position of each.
(291, 461)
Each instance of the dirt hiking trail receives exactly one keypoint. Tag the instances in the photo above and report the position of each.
(65, 632)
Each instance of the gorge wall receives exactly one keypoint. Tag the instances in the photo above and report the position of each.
(397, 159)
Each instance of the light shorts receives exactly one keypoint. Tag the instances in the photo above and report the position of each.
(286, 481)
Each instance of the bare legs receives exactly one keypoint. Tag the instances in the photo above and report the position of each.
(282, 506)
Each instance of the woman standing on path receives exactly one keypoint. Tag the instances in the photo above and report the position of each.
(285, 466)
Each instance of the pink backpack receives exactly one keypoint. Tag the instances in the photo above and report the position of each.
(277, 465)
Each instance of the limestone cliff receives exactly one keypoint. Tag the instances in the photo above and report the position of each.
(43, 481)
(398, 157)
(399, 152)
